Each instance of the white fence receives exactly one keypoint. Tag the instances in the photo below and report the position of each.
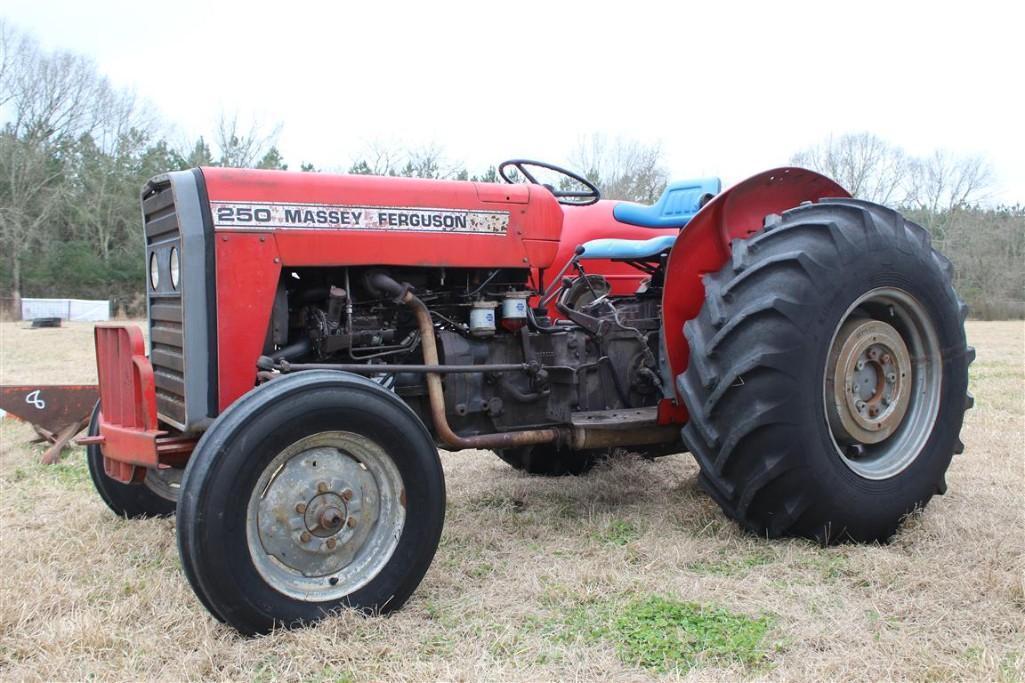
(79, 310)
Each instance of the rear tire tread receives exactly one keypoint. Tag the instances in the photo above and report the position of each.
(750, 291)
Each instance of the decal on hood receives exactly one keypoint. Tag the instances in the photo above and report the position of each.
(274, 216)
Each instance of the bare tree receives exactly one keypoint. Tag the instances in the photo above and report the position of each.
(377, 158)
(244, 146)
(428, 161)
(622, 168)
(8, 48)
(868, 166)
(29, 174)
(56, 107)
(424, 161)
(29, 198)
(943, 182)
(871, 168)
(942, 192)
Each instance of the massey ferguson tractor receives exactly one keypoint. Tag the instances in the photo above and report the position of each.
(314, 339)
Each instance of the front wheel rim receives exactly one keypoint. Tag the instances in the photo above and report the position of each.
(883, 381)
(325, 516)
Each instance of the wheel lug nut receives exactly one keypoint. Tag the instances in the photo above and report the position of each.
(892, 377)
(352, 522)
(322, 487)
(331, 543)
(347, 495)
(300, 508)
(860, 365)
(887, 358)
(305, 537)
(860, 405)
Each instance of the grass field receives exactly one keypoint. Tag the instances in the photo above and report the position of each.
(628, 573)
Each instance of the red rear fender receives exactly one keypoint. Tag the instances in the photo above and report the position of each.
(704, 245)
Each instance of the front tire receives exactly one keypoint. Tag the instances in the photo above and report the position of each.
(154, 497)
(314, 492)
(828, 374)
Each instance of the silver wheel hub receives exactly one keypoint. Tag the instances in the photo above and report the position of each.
(872, 398)
(883, 378)
(325, 516)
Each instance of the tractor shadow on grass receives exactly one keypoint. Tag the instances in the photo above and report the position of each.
(659, 491)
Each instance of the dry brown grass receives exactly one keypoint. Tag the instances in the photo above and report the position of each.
(87, 595)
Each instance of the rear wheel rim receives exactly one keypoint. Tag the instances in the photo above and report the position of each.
(883, 381)
(325, 516)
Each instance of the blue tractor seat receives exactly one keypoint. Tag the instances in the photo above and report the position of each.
(674, 209)
(628, 250)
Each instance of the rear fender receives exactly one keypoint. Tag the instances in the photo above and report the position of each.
(704, 245)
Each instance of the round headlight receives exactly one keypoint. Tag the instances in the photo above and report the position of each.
(154, 270)
(175, 267)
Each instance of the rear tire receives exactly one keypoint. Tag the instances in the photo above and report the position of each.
(314, 492)
(126, 500)
(762, 384)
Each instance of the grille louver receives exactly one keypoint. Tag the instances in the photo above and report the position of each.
(167, 341)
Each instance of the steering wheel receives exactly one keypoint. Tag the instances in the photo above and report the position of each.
(592, 195)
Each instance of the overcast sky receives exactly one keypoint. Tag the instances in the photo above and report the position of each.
(727, 88)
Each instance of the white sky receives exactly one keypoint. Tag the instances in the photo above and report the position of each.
(728, 88)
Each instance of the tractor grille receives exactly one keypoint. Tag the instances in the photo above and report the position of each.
(165, 306)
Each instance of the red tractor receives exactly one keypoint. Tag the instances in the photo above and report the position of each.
(315, 338)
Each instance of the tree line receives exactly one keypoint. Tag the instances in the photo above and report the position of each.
(947, 194)
(75, 151)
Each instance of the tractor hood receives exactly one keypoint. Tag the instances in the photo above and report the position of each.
(314, 218)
